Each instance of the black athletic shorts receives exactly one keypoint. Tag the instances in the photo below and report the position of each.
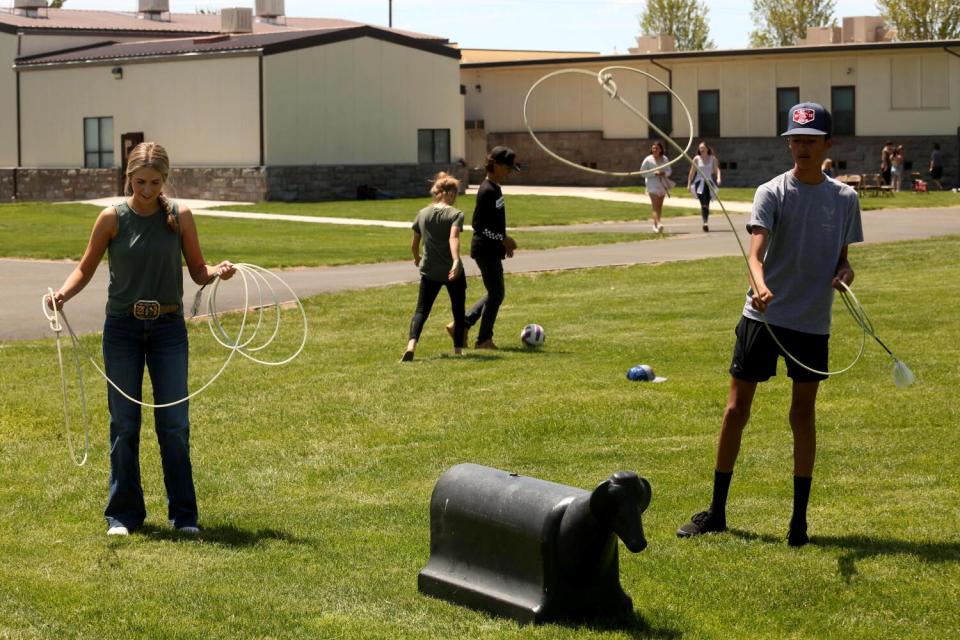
(755, 353)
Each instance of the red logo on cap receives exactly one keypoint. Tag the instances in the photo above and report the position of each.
(803, 116)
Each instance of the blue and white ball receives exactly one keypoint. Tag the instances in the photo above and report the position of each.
(643, 373)
(533, 336)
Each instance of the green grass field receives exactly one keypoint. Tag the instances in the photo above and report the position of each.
(314, 479)
(901, 200)
(61, 232)
(522, 211)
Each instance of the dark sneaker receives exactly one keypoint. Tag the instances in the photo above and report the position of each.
(797, 536)
(407, 356)
(703, 522)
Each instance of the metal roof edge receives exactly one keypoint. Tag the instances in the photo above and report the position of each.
(723, 53)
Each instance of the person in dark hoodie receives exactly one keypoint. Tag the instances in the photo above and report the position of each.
(491, 244)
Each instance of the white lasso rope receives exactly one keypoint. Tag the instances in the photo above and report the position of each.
(248, 273)
(902, 376)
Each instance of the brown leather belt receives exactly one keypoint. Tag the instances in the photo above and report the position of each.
(151, 309)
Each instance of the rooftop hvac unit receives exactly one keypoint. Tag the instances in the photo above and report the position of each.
(154, 6)
(30, 8)
(269, 8)
(236, 20)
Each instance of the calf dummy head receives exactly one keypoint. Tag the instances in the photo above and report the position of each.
(618, 503)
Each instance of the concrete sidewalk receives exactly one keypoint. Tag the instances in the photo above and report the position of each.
(22, 282)
(680, 197)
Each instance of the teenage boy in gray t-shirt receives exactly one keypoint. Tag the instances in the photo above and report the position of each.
(801, 225)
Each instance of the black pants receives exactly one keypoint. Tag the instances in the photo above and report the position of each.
(486, 309)
(429, 289)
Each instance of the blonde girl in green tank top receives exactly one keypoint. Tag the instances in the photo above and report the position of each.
(145, 236)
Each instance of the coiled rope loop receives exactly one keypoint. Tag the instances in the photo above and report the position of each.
(902, 376)
(265, 292)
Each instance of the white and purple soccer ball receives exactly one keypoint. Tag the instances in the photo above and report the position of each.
(533, 336)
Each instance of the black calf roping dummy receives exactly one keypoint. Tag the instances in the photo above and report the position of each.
(532, 550)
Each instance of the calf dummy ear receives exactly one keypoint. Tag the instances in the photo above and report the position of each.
(604, 498)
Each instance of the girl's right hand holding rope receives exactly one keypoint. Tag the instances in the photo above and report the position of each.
(57, 299)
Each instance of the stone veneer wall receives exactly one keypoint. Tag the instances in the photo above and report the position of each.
(6, 185)
(233, 183)
(59, 184)
(245, 184)
(341, 182)
(757, 159)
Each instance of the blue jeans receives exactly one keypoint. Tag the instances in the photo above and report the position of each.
(128, 343)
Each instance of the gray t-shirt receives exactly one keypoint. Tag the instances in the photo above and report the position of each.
(809, 226)
(434, 223)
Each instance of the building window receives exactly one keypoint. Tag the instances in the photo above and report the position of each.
(842, 104)
(786, 98)
(708, 113)
(658, 103)
(433, 146)
(97, 143)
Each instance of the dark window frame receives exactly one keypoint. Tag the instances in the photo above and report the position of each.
(99, 151)
(443, 157)
(852, 131)
(668, 129)
(782, 115)
(704, 129)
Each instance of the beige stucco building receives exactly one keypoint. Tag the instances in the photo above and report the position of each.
(312, 110)
(907, 92)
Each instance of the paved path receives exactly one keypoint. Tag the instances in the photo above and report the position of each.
(22, 282)
(680, 197)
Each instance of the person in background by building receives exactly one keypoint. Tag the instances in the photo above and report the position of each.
(801, 226)
(144, 237)
(438, 226)
(491, 244)
(827, 168)
(936, 166)
(885, 154)
(709, 166)
(658, 181)
(896, 168)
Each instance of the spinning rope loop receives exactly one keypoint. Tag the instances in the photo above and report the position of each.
(249, 273)
(902, 376)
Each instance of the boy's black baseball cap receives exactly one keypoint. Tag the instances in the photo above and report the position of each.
(505, 155)
(808, 119)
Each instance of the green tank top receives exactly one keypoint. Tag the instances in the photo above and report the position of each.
(144, 261)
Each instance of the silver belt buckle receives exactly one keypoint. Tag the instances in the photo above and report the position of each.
(146, 310)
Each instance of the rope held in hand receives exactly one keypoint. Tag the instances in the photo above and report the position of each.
(902, 376)
(249, 273)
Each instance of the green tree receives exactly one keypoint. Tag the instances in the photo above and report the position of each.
(57, 4)
(922, 19)
(685, 20)
(780, 23)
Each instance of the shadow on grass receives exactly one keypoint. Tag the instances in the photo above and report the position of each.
(634, 625)
(856, 548)
(226, 535)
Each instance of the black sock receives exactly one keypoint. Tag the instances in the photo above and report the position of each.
(721, 486)
(801, 496)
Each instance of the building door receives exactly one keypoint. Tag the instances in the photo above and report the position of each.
(127, 143)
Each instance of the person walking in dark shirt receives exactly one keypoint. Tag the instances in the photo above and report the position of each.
(491, 244)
